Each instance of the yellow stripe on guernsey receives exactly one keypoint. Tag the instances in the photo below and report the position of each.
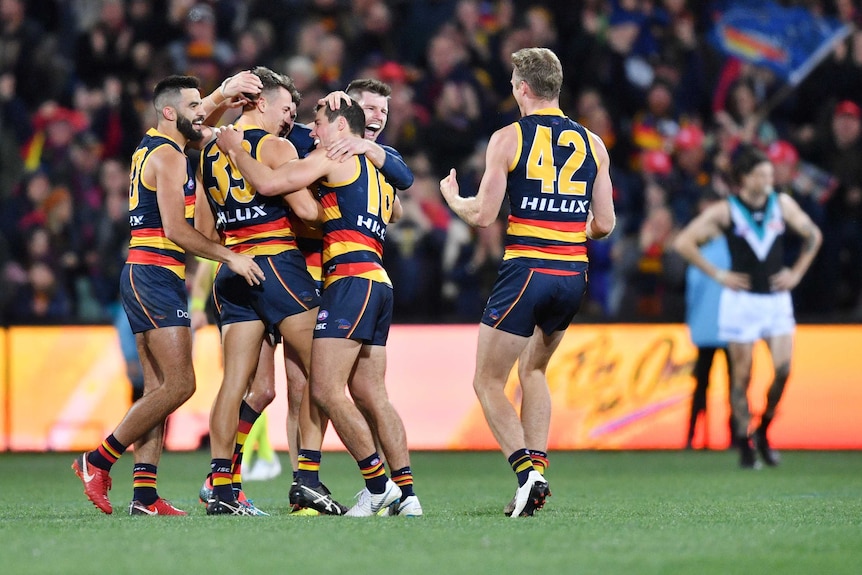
(516, 229)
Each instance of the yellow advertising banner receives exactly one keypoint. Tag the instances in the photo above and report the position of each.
(612, 387)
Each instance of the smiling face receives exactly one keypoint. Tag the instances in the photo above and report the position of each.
(323, 129)
(276, 109)
(190, 115)
(376, 108)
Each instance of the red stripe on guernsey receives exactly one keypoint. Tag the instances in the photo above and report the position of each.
(355, 269)
(190, 200)
(245, 231)
(566, 250)
(557, 226)
(517, 299)
(348, 236)
(329, 200)
(151, 258)
(148, 233)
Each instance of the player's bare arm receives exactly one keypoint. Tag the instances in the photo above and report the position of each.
(397, 211)
(277, 151)
(204, 219)
(166, 168)
(232, 93)
(797, 220)
(706, 226)
(482, 209)
(601, 218)
(288, 177)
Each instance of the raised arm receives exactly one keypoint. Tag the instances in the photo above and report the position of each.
(481, 210)
(230, 94)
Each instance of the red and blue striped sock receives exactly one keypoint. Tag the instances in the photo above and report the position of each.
(144, 483)
(106, 454)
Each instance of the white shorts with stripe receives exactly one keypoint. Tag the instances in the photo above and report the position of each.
(745, 317)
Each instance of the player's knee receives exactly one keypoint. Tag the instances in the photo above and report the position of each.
(184, 390)
(258, 399)
(320, 397)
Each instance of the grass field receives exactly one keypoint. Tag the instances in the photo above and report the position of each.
(629, 512)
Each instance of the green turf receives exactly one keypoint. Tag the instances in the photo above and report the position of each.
(630, 512)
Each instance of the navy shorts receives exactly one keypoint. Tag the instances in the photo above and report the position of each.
(153, 297)
(287, 290)
(524, 298)
(356, 308)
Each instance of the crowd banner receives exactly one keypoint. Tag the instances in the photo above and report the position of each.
(790, 41)
(617, 386)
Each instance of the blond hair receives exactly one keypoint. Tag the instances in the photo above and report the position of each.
(541, 70)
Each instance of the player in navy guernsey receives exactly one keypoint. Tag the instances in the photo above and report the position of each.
(373, 97)
(555, 174)
(356, 307)
(161, 208)
(755, 301)
(252, 221)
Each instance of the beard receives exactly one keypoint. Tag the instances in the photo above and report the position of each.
(187, 129)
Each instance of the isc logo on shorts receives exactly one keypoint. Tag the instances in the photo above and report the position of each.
(319, 327)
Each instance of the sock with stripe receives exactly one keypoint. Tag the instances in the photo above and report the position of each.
(247, 417)
(403, 478)
(521, 464)
(221, 474)
(374, 473)
(106, 454)
(144, 483)
(309, 467)
(540, 460)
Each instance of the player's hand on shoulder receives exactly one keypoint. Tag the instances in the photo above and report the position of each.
(346, 147)
(246, 267)
(228, 138)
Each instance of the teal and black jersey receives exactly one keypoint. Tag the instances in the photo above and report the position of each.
(550, 187)
(250, 223)
(756, 240)
(149, 245)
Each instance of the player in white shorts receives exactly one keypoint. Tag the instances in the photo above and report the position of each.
(755, 302)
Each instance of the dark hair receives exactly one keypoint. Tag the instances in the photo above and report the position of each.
(744, 160)
(168, 90)
(270, 81)
(372, 85)
(354, 115)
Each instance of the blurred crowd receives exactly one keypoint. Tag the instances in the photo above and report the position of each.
(76, 78)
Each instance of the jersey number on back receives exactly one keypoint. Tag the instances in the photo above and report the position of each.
(540, 162)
